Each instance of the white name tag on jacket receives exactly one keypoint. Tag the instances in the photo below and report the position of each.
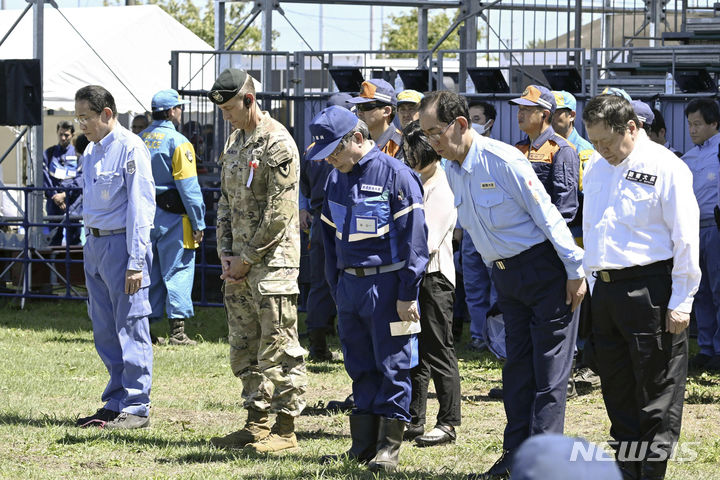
(366, 224)
(370, 188)
(398, 329)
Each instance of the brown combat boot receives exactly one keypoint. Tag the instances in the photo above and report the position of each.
(177, 333)
(282, 436)
(257, 427)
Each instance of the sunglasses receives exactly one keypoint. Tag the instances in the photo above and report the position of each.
(366, 107)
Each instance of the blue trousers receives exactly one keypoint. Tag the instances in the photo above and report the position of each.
(173, 268)
(378, 363)
(320, 305)
(539, 338)
(480, 293)
(120, 324)
(707, 298)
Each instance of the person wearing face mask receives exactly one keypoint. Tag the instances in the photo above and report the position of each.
(482, 116)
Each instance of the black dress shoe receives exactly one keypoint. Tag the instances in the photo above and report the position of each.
(437, 436)
(496, 393)
(499, 471)
(412, 431)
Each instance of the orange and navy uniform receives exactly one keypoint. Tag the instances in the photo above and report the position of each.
(390, 142)
(557, 165)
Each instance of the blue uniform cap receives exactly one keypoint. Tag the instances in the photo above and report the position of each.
(167, 99)
(341, 99)
(643, 112)
(618, 92)
(327, 129)
(536, 96)
(376, 90)
(565, 99)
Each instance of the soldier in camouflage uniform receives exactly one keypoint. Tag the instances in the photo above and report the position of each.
(259, 248)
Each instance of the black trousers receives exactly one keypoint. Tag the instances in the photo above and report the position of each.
(643, 368)
(437, 353)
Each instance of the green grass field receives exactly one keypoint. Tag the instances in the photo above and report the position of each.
(50, 374)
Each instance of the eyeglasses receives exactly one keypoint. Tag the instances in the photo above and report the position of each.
(366, 107)
(436, 136)
(337, 151)
(83, 121)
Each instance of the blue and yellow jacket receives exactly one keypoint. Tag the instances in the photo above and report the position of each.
(174, 166)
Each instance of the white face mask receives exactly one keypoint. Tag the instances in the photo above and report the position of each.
(481, 129)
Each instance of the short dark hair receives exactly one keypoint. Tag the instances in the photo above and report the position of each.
(613, 111)
(65, 125)
(81, 143)
(488, 108)
(707, 107)
(161, 114)
(97, 97)
(418, 152)
(659, 122)
(449, 105)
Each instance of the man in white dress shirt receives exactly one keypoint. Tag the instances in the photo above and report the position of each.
(640, 224)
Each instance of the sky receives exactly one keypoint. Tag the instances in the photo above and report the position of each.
(345, 27)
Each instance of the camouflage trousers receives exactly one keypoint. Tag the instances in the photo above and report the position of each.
(265, 353)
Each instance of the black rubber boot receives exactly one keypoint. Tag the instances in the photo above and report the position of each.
(319, 351)
(364, 434)
(390, 437)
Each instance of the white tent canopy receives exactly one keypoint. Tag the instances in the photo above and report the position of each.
(134, 41)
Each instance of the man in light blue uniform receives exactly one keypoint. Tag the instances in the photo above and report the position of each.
(536, 266)
(118, 214)
(376, 251)
(703, 116)
(179, 218)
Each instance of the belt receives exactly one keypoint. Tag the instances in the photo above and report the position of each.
(522, 257)
(708, 222)
(657, 268)
(96, 232)
(366, 271)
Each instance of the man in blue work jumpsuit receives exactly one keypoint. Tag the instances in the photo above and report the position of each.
(179, 218)
(375, 254)
(536, 266)
(118, 214)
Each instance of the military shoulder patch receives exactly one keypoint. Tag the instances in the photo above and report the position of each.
(284, 169)
(131, 166)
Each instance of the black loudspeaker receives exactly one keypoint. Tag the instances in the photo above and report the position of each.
(21, 99)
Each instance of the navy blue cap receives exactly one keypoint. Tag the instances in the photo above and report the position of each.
(376, 90)
(341, 99)
(327, 129)
(167, 99)
(643, 112)
(551, 455)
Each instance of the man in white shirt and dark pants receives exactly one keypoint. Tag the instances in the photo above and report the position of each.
(640, 224)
